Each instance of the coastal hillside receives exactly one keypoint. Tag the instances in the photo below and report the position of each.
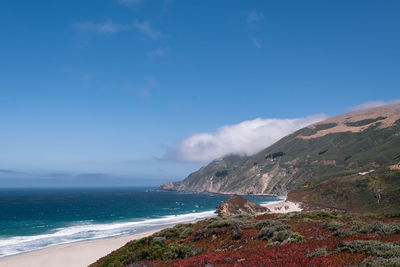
(317, 238)
(351, 161)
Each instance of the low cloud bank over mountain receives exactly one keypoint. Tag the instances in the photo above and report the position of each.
(245, 138)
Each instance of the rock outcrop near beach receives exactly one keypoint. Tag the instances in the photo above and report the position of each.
(238, 205)
(320, 163)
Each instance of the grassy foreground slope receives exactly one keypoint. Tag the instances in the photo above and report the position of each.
(350, 162)
(317, 238)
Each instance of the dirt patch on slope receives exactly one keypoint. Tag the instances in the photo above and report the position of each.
(357, 121)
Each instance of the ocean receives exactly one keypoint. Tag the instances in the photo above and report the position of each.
(32, 219)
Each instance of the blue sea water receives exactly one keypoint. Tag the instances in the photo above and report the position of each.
(36, 218)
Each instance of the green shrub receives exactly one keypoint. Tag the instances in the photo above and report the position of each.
(343, 233)
(264, 223)
(377, 227)
(240, 219)
(309, 220)
(221, 223)
(222, 173)
(371, 247)
(295, 214)
(333, 225)
(186, 232)
(270, 244)
(357, 226)
(175, 231)
(351, 216)
(168, 233)
(281, 235)
(391, 228)
(268, 232)
(146, 248)
(277, 154)
(215, 226)
(365, 228)
(319, 252)
(296, 237)
(248, 226)
(312, 214)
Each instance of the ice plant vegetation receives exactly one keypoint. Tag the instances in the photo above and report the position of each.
(316, 238)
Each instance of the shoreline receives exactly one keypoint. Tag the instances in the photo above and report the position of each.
(70, 234)
(83, 253)
(76, 254)
(80, 253)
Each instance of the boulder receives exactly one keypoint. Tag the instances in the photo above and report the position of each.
(238, 205)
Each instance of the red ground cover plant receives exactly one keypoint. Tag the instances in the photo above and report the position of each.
(293, 254)
(215, 244)
(257, 253)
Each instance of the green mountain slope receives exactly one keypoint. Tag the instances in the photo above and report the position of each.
(349, 161)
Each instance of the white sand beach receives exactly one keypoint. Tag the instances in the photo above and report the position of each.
(284, 206)
(76, 254)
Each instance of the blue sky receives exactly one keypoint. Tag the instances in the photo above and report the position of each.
(127, 90)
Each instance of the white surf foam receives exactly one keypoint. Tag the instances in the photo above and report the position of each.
(90, 231)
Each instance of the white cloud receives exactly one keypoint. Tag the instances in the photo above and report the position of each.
(146, 28)
(101, 27)
(374, 104)
(112, 27)
(160, 51)
(254, 16)
(245, 138)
